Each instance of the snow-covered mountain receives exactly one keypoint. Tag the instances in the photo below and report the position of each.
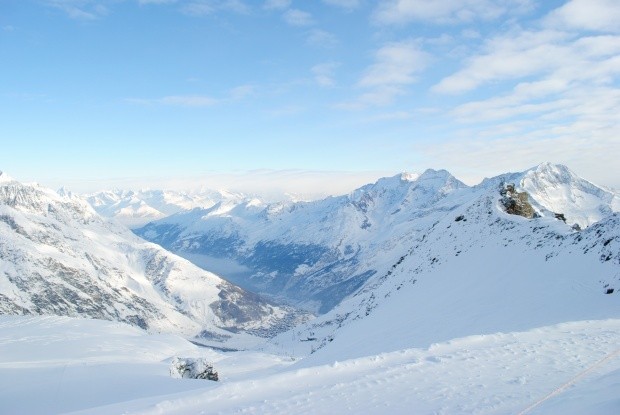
(59, 257)
(136, 208)
(557, 189)
(477, 270)
(313, 253)
(483, 299)
(318, 253)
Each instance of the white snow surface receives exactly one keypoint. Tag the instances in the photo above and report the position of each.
(51, 365)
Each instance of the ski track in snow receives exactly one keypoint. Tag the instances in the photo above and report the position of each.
(485, 374)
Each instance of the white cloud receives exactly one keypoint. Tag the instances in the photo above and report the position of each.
(324, 73)
(345, 4)
(177, 100)
(396, 66)
(546, 54)
(236, 6)
(272, 185)
(80, 9)
(377, 97)
(295, 17)
(198, 8)
(305, 184)
(242, 91)
(446, 11)
(94, 9)
(598, 15)
(575, 124)
(277, 4)
(206, 7)
(285, 111)
(474, 158)
(508, 57)
(234, 94)
(156, 1)
(560, 99)
(321, 38)
(392, 116)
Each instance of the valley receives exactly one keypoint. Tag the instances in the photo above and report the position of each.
(417, 292)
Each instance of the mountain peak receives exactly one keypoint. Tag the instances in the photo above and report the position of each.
(556, 188)
(439, 179)
(558, 171)
(5, 178)
(554, 174)
(409, 177)
(431, 173)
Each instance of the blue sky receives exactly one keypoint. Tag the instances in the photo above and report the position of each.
(323, 93)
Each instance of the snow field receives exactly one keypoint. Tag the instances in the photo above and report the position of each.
(96, 367)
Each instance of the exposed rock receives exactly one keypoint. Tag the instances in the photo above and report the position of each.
(516, 203)
(192, 368)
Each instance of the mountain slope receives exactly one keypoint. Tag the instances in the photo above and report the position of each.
(557, 189)
(316, 254)
(312, 253)
(477, 270)
(57, 256)
(95, 367)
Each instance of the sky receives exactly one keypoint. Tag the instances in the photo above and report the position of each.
(313, 95)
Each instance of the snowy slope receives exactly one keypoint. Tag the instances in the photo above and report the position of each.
(557, 189)
(136, 208)
(59, 257)
(477, 270)
(94, 367)
(318, 253)
(55, 364)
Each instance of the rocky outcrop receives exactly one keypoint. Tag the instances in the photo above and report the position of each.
(516, 203)
(192, 368)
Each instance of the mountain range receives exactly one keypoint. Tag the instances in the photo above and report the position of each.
(430, 296)
(315, 254)
(136, 208)
(59, 257)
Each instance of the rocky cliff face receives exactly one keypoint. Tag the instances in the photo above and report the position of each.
(516, 203)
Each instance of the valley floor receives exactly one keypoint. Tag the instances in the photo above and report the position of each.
(61, 365)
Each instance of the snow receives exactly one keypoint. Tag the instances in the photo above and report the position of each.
(95, 367)
(468, 310)
(557, 189)
(136, 208)
(5, 178)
